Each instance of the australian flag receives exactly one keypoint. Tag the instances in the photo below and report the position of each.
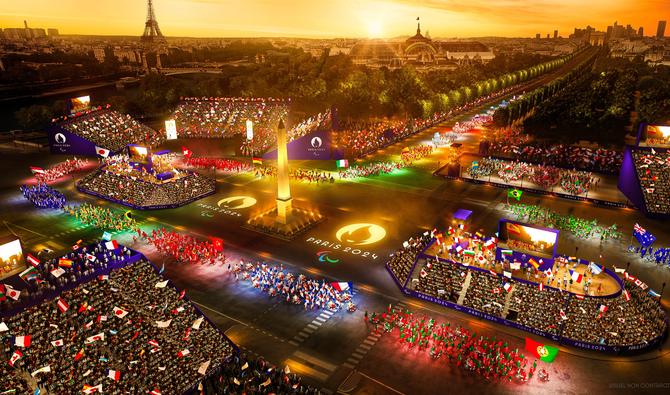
(643, 237)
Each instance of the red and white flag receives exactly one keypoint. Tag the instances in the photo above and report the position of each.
(57, 343)
(95, 338)
(15, 357)
(90, 257)
(32, 260)
(114, 374)
(119, 312)
(102, 152)
(183, 353)
(155, 391)
(626, 295)
(79, 355)
(541, 287)
(62, 305)
(111, 245)
(562, 314)
(57, 272)
(22, 341)
(11, 292)
(103, 277)
(36, 170)
(602, 308)
(154, 343)
(92, 390)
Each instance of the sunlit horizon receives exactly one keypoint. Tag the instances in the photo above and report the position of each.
(337, 18)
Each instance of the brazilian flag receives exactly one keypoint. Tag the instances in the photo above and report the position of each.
(543, 352)
(514, 193)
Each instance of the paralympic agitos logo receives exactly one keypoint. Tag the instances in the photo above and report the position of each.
(360, 234)
(323, 257)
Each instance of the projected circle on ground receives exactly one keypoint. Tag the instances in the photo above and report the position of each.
(360, 234)
(236, 202)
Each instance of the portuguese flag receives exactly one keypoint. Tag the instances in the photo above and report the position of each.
(543, 352)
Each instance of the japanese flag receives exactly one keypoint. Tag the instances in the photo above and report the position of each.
(57, 343)
(102, 152)
(95, 338)
(119, 312)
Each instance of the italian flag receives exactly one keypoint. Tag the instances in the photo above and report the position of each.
(342, 163)
(543, 352)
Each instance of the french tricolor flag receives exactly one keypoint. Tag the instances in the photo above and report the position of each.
(111, 245)
(22, 341)
(341, 287)
(576, 277)
(114, 374)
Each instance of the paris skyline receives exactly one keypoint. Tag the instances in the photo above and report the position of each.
(337, 18)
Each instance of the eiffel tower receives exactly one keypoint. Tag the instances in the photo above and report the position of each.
(152, 39)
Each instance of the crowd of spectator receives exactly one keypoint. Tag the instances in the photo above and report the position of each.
(112, 130)
(275, 280)
(574, 182)
(43, 196)
(125, 332)
(653, 171)
(138, 193)
(225, 165)
(633, 317)
(359, 138)
(561, 155)
(59, 170)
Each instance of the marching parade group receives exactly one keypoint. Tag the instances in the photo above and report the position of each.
(100, 217)
(43, 196)
(183, 248)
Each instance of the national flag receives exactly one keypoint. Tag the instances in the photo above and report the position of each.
(257, 161)
(514, 194)
(161, 284)
(654, 294)
(90, 257)
(22, 341)
(91, 390)
(102, 152)
(3, 327)
(643, 237)
(66, 263)
(36, 170)
(186, 152)
(562, 314)
(548, 272)
(163, 324)
(595, 269)
(602, 308)
(11, 292)
(57, 272)
(111, 245)
(619, 270)
(576, 277)
(507, 274)
(95, 338)
(44, 369)
(515, 265)
(507, 287)
(183, 353)
(177, 310)
(89, 324)
(155, 391)
(106, 236)
(15, 357)
(423, 273)
(496, 290)
(542, 351)
(119, 312)
(218, 243)
(79, 354)
(28, 274)
(459, 249)
(82, 307)
(579, 297)
(203, 367)
(342, 163)
(506, 252)
(540, 286)
(32, 260)
(103, 277)
(181, 294)
(626, 295)
(469, 252)
(62, 305)
(113, 374)
(57, 343)
(154, 343)
(341, 286)
(196, 323)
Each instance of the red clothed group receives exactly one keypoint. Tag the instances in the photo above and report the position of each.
(184, 248)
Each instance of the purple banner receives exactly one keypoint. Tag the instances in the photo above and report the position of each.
(314, 146)
(64, 142)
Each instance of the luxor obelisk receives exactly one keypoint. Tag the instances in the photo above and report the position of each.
(284, 205)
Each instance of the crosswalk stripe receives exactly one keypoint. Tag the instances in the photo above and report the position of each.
(370, 342)
(291, 342)
(358, 355)
(353, 360)
(312, 326)
(317, 323)
(320, 319)
(348, 365)
(365, 347)
(306, 370)
(315, 361)
(304, 333)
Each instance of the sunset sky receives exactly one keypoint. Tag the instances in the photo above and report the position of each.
(333, 18)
